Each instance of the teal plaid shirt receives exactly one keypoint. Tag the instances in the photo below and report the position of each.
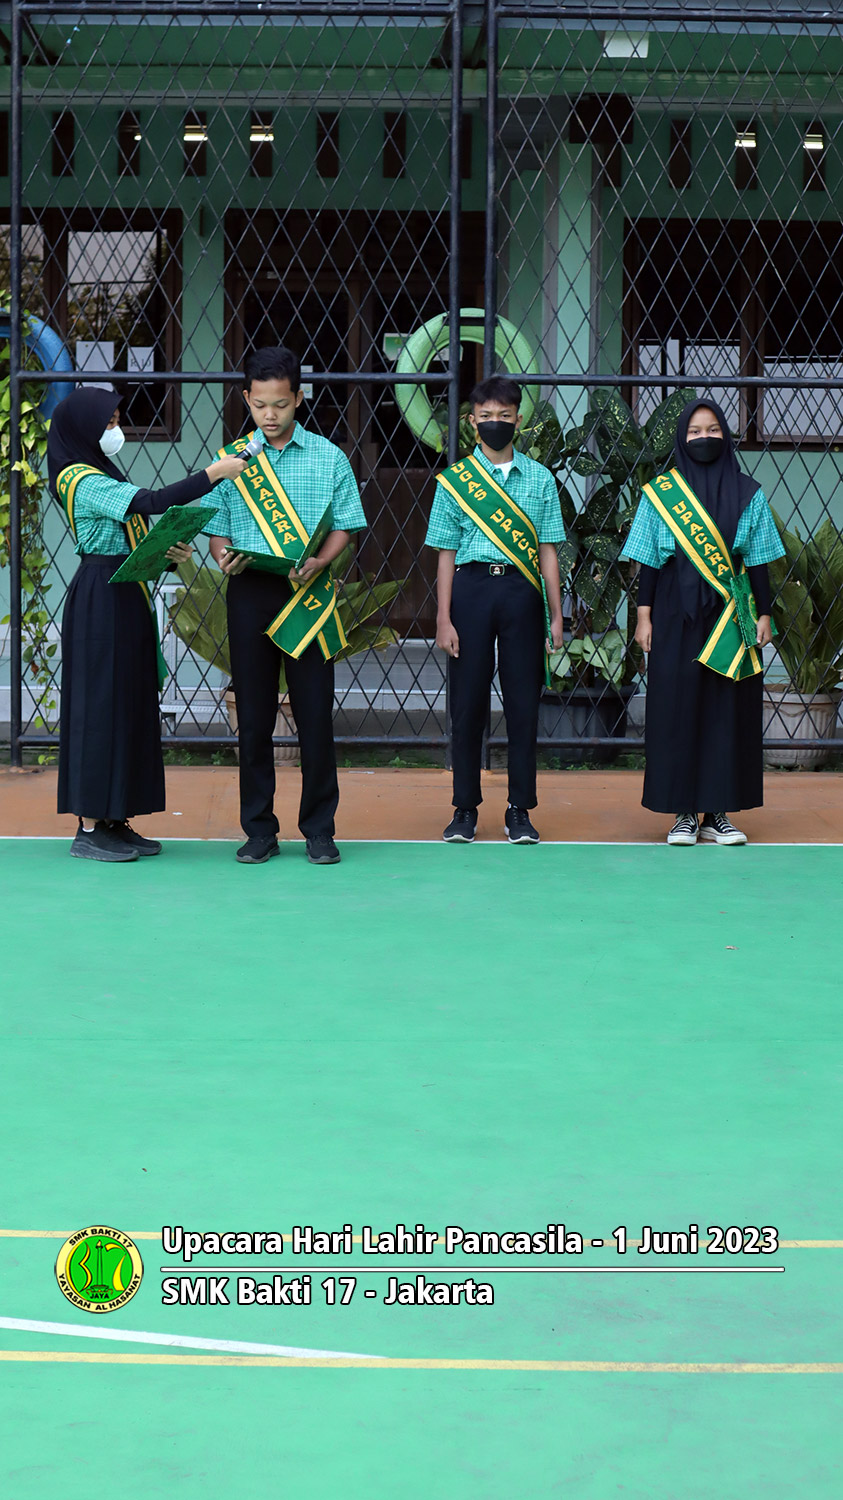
(530, 485)
(314, 472)
(757, 541)
(100, 505)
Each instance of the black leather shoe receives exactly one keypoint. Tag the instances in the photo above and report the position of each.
(134, 840)
(322, 850)
(257, 851)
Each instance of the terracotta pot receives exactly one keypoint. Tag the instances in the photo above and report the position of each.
(284, 724)
(798, 716)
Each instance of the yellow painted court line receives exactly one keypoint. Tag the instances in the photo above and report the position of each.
(357, 1239)
(574, 1366)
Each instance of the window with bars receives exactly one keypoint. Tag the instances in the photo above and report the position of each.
(110, 285)
(709, 300)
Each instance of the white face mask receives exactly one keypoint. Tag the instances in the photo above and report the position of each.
(112, 441)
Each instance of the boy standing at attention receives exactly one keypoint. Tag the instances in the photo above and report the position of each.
(496, 521)
(273, 510)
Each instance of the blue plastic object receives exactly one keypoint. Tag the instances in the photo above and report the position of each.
(49, 350)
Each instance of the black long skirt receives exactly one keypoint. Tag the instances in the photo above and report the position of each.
(110, 761)
(703, 734)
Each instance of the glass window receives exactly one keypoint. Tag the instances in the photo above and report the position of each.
(109, 283)
(708, 300)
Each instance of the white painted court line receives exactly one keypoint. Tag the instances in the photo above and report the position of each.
(174, 1340)
(496, 843)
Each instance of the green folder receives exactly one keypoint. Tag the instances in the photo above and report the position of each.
(267, 562)
(181, 523)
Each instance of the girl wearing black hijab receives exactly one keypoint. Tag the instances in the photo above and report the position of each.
(110, 762)
(703, 733)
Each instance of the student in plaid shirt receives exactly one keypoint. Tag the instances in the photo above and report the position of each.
(314, 474)
(703, 731)
(484, 603)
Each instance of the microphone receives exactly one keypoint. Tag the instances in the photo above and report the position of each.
(253, 447)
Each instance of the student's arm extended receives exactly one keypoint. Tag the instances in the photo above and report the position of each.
(446, 636)
(549, 566)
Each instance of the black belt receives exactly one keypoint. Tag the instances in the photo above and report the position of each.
(103, 559)
(495, 570)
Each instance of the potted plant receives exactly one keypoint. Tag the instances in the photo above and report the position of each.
(808, 609)
(595, 672)
(198, 617)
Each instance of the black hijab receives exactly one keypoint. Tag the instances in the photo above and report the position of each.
(77, 425)
(723, 489)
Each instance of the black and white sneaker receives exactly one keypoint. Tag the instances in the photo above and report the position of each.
(462, 826)
(716, 829)
(134, 840)
(684, 830)
(322, 850)
(100, 842)
(256, 851)
(518, 828)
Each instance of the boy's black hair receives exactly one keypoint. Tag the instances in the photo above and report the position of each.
(276, 363)
(497, 388)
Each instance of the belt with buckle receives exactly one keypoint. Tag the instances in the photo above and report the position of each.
(497, 570)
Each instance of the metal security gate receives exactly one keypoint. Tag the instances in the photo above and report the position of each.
(617, 203)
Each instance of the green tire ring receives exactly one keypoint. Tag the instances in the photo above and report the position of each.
(430, 339)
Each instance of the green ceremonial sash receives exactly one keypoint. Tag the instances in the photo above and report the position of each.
(136, 528)
(729, 649)
(311, 614)
(502, 521)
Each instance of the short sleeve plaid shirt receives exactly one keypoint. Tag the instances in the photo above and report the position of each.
(100, 505)
(531, 486)
(314, 472)
(757, 541)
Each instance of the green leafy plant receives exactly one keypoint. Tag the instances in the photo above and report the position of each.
(609, 445)
(198, 615)
(808, 592)
(38, 650)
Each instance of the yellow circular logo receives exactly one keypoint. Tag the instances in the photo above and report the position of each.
(99, 1269)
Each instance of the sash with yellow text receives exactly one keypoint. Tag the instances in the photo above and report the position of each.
(726, 651)
(311, 614)
(501, 520)
(136, 528)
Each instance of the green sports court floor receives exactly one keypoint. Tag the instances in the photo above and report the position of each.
(492, 1038)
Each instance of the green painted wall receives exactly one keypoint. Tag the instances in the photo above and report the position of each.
(547, 224)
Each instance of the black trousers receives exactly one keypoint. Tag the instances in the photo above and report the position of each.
(486, 609)
(254, 599)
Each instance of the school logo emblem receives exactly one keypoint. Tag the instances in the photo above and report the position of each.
(99, 1269)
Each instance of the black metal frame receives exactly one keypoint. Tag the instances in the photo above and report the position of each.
(455, 15)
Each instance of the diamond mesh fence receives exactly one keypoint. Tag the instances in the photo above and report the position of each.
(621, 204)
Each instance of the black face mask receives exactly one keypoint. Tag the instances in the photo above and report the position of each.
(705, 450)
(496, 435)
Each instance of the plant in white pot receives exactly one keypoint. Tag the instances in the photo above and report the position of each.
(808, 610)
(198, 617)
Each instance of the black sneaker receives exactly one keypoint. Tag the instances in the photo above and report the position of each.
(103, 844)
(135, 840)
(716, 829)
(518, 828)
(462, 826)
(322, 850)
(257, 851)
